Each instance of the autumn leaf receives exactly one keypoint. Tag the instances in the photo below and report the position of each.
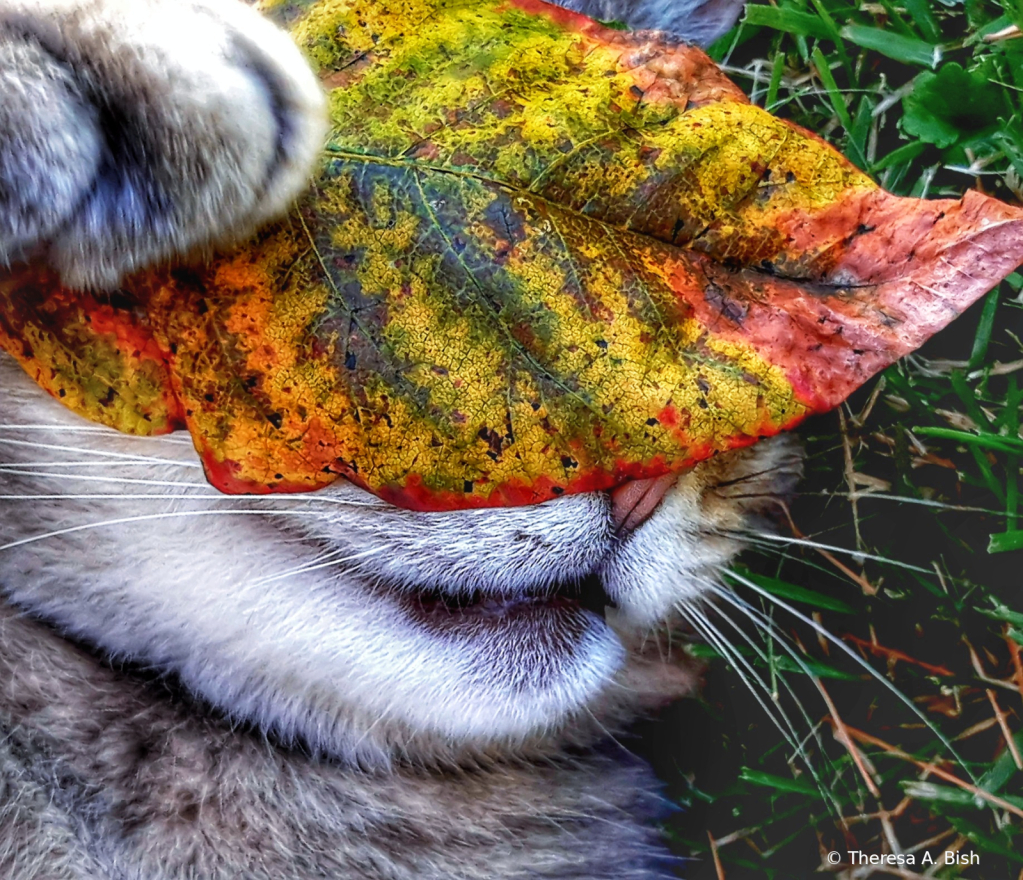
(542, 257)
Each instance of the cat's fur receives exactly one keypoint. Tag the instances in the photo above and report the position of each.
(195, 685)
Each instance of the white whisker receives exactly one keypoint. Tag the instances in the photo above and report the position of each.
(311, 497)
(177, 438)
(792, 737)
(151, 516)
(121, 456)
(63, 428)
(842, 646)
(748, 675)
(767, 537)
(82, 464)
(318, 563)
(923, 502)
(213, 495)
(779, 638)
(131, 481)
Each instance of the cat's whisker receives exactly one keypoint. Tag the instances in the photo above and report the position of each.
(21, 471)
(210, 494)
(119, 496)
(747, 495)
(760, 475)
(923, 502)
(771, 629)
(767, 539)
(760, 653)
(172, 514)
(747, 674)
(318, 563)
(88, 463)
(24, 470)
(845, 649)
(84, 450)
(177, 438)
(762, 622)
(63, 429)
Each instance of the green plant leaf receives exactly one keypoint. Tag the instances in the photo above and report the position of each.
(950, 104)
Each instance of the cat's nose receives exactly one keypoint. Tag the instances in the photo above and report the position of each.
(633, 502)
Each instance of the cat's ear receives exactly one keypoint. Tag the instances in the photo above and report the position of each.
(699, 22)
(135, 130)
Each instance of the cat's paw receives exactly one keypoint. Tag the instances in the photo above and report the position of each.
(132, 131)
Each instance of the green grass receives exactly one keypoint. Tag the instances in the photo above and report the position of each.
(916, 478)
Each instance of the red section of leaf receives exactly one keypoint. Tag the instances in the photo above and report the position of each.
(893, 273)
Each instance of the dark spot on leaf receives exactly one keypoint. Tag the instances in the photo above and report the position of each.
(275, 419)
(729, 307)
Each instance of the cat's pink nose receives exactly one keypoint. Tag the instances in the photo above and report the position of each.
(634, 501)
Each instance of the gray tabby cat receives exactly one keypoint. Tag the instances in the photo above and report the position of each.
(196, 685)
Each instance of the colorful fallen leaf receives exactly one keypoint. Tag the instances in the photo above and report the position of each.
(542, 257)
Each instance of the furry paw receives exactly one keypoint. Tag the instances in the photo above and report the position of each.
(132, 131)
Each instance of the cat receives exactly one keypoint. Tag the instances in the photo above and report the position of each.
(295, 686)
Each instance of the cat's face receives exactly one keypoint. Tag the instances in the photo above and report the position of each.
(361, 629)
(331, 618)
